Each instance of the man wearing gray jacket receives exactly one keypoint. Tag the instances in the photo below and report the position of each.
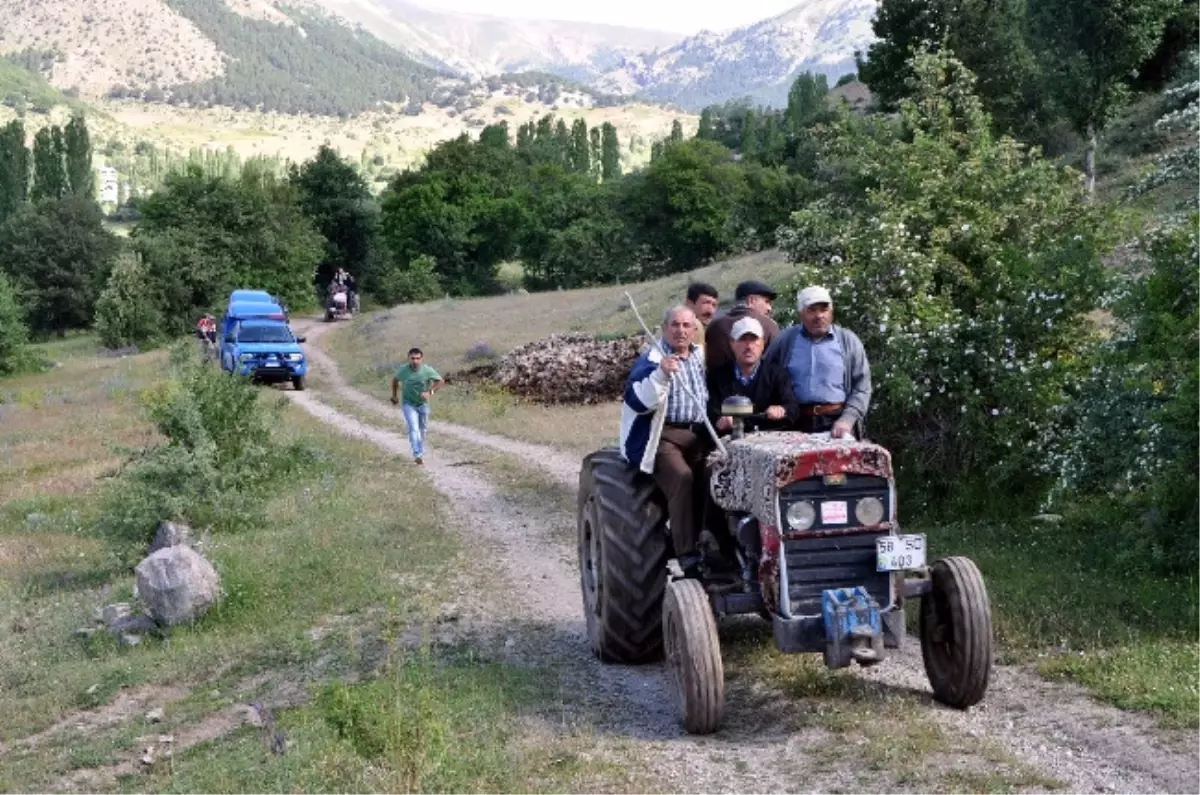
(828, 368)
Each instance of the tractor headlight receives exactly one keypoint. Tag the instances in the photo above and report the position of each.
(801, 515)
(869, 510)
(295, 357)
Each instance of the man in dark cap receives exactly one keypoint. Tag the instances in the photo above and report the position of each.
(753, 299)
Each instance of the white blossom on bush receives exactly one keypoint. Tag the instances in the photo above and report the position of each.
(966, 265)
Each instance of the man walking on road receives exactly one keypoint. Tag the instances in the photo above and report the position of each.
(419, 381)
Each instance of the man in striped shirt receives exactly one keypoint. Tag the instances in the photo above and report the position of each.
(662, 426)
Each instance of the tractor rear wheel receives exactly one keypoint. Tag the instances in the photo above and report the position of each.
(622, 558)
(956, 633)
(694, 656)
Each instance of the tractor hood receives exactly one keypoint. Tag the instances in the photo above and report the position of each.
(758, 466)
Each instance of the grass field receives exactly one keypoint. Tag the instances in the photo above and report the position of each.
(1072, 604)
(366, 528)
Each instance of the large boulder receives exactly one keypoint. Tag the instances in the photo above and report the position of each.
(177, 585)
(569, 368)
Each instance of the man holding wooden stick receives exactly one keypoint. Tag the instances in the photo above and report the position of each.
(663, 427)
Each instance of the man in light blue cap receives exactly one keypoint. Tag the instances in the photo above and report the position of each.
(828, 367)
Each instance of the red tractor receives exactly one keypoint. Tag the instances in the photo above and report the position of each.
(819, 554)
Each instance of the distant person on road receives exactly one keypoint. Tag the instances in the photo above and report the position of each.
(768, 386)
(419, 382)
(702, 299)
(827, 365)
(662, 430)
(753, 299)
(206, 329)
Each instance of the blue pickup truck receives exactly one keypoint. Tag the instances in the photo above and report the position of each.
(256, 341)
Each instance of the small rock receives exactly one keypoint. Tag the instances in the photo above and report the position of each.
(113, 613)
(510, 643)
(148, 755)
(133, 625)
(248, 714)
(156, 715)
(93, 689)
(84, 632)
(1048, 518)
(170, 534)
(35, 518)
(129, 639)
(166, 739)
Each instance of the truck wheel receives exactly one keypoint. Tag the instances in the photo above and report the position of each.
(298, 383)
(622, 558)
(694, 656)
(956, 633)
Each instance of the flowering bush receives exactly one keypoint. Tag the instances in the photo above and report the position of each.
(1181, 103)
(967, 265)
(1130, 433)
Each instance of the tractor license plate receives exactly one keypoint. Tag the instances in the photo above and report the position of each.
(897, 553)
(834, 512)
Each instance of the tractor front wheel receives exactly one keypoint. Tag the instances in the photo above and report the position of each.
(694, 656)
(956, 633)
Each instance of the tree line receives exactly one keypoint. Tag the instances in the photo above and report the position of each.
(1042, 65)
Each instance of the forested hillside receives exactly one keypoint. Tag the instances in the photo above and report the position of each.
(315, 66)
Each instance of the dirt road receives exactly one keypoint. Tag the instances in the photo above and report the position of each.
(1029, 734)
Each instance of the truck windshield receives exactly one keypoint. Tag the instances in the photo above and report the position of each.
(265, 334)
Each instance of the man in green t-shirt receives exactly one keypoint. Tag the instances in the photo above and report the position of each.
(419, 381)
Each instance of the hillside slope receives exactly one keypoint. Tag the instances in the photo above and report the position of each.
(102, 43)
(758, 60)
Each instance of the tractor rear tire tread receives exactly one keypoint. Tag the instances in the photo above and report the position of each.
(626, 510)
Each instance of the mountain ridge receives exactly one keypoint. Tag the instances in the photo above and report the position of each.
(145, 48)
(759, 61)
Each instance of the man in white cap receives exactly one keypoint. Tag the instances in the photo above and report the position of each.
(827, 365)
(767, 386)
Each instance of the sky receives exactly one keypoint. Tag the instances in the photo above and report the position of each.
(679, 16)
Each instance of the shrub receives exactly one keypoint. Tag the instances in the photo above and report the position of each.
(967, 265)
(480, 352)
(13, 333)
(218, 461)
(127, 312)
(413, 283)
(1127, 442)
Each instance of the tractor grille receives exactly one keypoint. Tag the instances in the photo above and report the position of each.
(818, 564)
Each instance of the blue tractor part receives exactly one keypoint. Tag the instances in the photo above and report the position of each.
(853, 627)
